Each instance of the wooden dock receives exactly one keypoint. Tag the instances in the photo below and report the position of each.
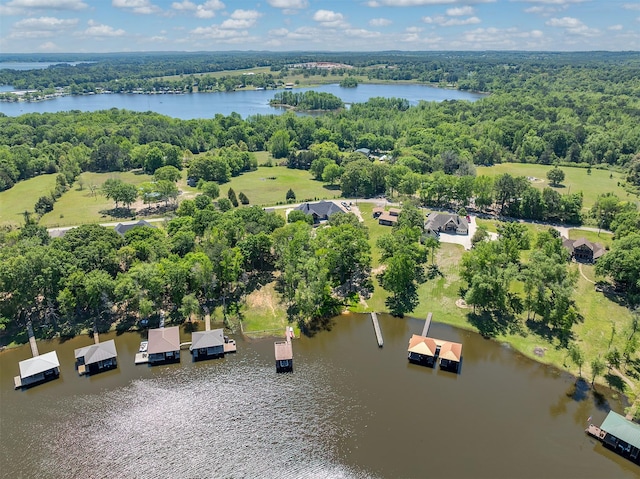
(595, 431)
(230, 346)
(141, 358)
(17, 382)
(427, 323)
(32, 340)
(376, 328)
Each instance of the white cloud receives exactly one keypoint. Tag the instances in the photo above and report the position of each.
(20, 7)
(573, 26)
(361, 33)
(41, 27)
(553, 2)
(288, 4)
(208, 8)
(450, 22)
(279, 32)
(184, 5)
(460, 11)
(328, 18)
(98, 30)
(419, 3)
(48, 46)
(615, 27)
(380, 22)
(631, 6)
(143, 7)
(241, 19)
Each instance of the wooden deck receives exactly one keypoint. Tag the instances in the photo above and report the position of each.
(32, 340)
(427, 323)
(376, 328)
(230, 347)
(17, 382)
(82, 369)
(142, 358)
(595, 431)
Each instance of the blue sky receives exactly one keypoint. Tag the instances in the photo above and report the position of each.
(28, 26)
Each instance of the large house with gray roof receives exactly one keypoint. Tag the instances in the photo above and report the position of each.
(582, 250)
(320, 211)
(446, 223)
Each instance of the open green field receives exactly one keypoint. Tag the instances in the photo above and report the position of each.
(576, 179)
(605, 239)
(77, 206)
(269, 185)
(23, 196)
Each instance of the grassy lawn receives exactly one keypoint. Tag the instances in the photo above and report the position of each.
(77, 206)
(23, 196)
(263, 191)
(264, 314)
(576, 179)
(604, 239)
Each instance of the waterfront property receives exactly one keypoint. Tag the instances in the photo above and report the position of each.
(582, 250)
(450, 355)
(284, 356)
(426, 351)
(207, 344)
(36, 370)
(620, 435)
(164, 345)
(96, 358)
(376, 329)
(422, 350)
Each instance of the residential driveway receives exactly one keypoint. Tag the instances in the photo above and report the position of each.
(465, 240)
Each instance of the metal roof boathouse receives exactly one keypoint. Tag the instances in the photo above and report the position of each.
(38, 369)
(164, 345)
(96, 358)
(619, 434)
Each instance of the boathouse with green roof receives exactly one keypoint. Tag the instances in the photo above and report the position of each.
(622, 435)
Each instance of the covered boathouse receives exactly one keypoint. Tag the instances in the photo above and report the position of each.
(621, 435)
(164, 345)
(284, 356)
(38, 369)
(96, 358)
(207, 344)
(422, 350)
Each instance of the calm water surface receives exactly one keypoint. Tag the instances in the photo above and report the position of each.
(349, 410)
(245, 102)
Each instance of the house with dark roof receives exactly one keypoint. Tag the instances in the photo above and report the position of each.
(321, 211)
(207, 344)
(582, 250)
(446, 223)
(122, 228)
(388, 218)
(364, 151)
(164, 345)
(96, 358)
(38, 369)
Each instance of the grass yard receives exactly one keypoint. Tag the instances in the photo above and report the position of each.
(78, 207)
(264, 314)
(23, 196)
(268, 186)
(605, 239)
(576, 179)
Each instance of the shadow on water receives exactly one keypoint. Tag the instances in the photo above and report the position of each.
(614, 382)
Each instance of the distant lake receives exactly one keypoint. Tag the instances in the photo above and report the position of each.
(245, 102)
(23, 66)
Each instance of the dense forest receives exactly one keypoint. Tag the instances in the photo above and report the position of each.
(553, 109)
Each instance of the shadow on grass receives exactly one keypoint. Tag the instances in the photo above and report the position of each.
(118, 212)
(614, 382)
(331, 187)
(492, 324)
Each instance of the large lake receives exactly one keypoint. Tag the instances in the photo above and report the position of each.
(349, 410)
(244, 102)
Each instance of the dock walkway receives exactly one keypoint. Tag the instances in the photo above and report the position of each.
(32, 341)
(376, 328)
(427, 323)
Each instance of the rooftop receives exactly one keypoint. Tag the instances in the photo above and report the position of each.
(38, 364)
(207, 339)
(422, 345)
(163, 340)
(283, 350)
(618, 426)
(97, 352)
(451, 351)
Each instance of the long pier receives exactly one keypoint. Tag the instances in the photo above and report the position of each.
(32, 340)
(376, 328)
(427, 323)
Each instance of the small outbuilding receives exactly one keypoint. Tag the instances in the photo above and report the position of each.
(284, 356)
(96, 358)
(422, 350)
(38, 369)
(582, 250)
(387, 218)
(164, 345)
(450, 355)
(207, 344)
(446, 223)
